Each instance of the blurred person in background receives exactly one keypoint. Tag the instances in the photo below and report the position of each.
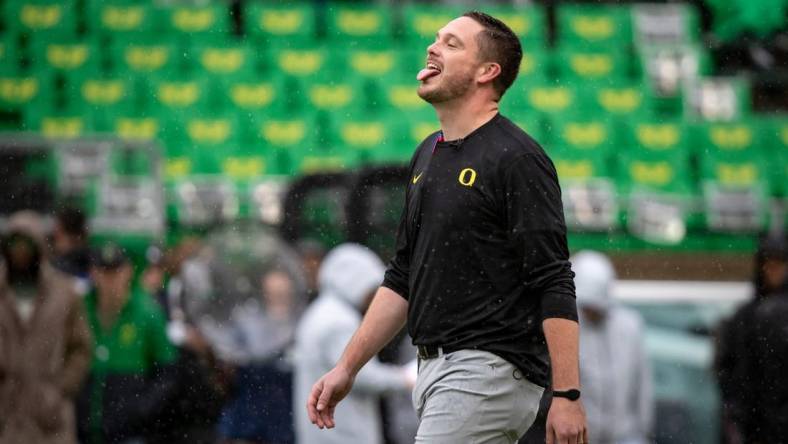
(738, 360)
(132, 377)
(260, 409)
(614, 367)
(193, 411)
(311, 253)
(768, 361)
(71, 253)
(348, 278)
(45, 344)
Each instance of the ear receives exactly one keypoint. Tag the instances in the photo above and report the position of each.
(488, 72)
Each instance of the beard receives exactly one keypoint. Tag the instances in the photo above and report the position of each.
(450, 88)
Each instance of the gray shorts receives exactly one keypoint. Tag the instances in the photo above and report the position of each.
(473, 397)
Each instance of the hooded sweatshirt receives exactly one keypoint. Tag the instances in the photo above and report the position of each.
(614, 368)
(348, 275)
(42, 361)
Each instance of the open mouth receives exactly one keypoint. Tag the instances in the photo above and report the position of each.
(431, 70)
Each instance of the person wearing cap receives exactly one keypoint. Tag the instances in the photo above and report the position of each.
(614, 368)
(131, 376)
(45, 343)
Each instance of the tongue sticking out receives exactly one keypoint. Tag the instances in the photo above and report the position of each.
(426, 73)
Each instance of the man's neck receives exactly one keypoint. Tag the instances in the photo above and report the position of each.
(109, 306)
(460, 119)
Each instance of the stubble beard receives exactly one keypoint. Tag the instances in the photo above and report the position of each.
(451, 88)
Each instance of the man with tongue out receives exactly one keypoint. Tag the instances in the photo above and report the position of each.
(481, 273)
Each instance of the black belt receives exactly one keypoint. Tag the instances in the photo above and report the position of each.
(433, 351)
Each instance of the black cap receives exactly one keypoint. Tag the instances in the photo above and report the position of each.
(108, 256)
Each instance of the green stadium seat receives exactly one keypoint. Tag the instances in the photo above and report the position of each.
(289, 22)
(208, 23)
(178, 96)
(359, 24)
(20, 91)
(331, 94)
(575, 166)
(642, 170)
(730, 153)
(61, 54)
(101, 97)
(734, 175)
(655, 157)
(144, 56)
(324, 155)
(580, 148)
(300, 62)
(545, 98)
(620, 100)
(127, 17)
(603, 26)
(583, 65)
(588, 134)
(135, 126)
(374, 63)
(370, 139)
(421, 22)
(241, 166)
(529, 23)
(253, 94)
(223, 60)
(57, 123)
(399, 94)
(201, 142)
(284, 136)
(39, 16)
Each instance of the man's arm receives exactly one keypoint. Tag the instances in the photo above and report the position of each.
(566, 422)
(79, 349)
(385, 317)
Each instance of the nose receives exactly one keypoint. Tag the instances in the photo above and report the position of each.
(432, 50)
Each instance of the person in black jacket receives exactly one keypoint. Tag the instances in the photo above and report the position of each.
(481, 271)
(736, 360)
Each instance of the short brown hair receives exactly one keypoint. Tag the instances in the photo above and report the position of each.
(499, 44)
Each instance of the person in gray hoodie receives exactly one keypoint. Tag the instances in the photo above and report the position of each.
(614, 368)
(347, 280)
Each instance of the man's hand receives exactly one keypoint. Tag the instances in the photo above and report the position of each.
(566, 422)
(326, 394)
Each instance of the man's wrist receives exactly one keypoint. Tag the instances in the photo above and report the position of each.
(345, 367)
(572, 394)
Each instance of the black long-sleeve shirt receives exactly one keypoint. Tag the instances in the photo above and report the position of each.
(481, 251)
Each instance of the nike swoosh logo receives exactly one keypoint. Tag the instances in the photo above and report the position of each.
(416, 178)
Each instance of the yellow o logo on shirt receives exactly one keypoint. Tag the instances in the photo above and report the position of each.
(467, 177)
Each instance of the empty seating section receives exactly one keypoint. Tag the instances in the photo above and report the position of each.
(291, 87)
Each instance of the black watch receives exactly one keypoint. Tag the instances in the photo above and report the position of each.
(572, 395)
